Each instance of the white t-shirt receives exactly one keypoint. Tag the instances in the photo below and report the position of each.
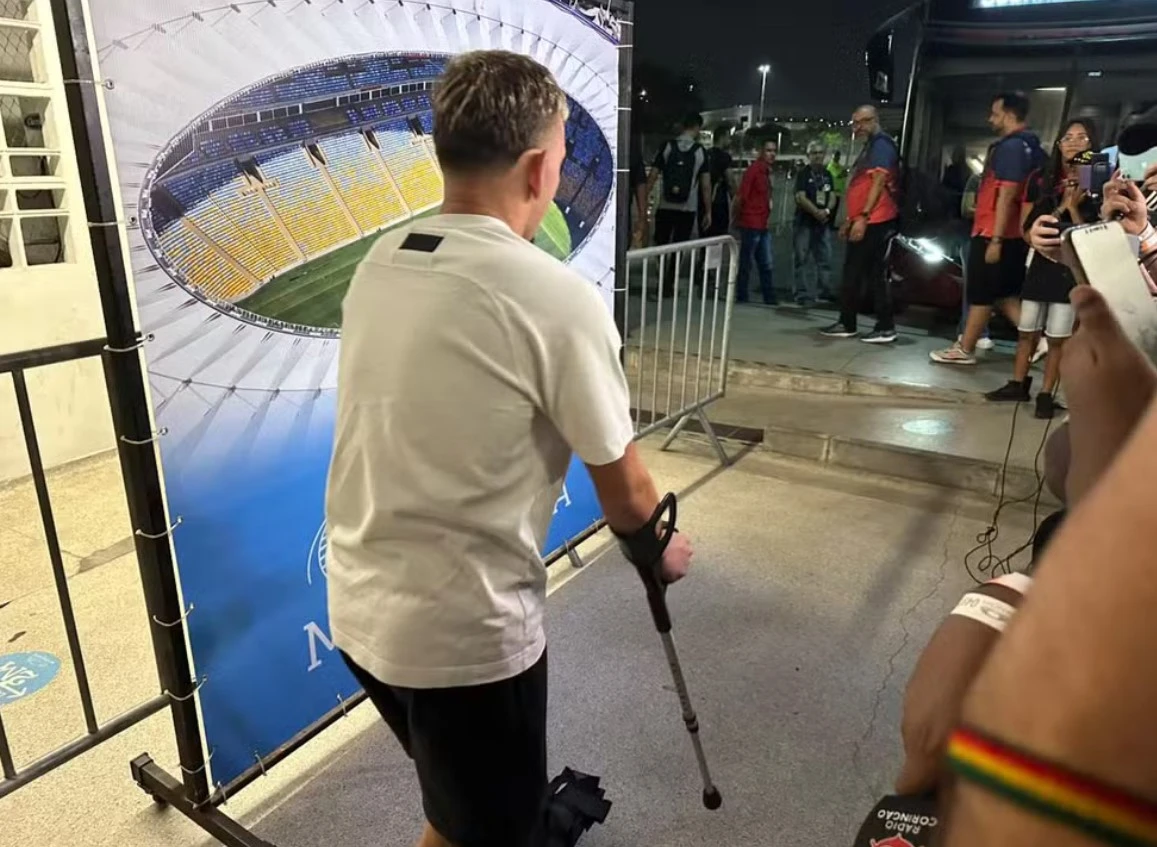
(472, 364)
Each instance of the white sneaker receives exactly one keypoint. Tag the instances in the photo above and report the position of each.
(954, 355)
(1042, 349)
(982, 343)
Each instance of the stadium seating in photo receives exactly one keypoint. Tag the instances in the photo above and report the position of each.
(410, 163)
(199, 265)
(251, 214)
(304, 201)
(359, 177)
(340, 77)
(242, 206)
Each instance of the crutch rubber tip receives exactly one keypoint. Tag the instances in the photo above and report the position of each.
(712, 799)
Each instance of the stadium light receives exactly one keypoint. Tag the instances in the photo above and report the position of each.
(764, 70)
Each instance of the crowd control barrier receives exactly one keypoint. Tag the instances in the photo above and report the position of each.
(676, 324)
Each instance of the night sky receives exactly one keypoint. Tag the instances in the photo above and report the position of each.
(815, 48)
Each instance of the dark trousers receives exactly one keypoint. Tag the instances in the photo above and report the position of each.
(864, 270)
(672, 227)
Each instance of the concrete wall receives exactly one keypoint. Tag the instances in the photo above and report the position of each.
(47, 304)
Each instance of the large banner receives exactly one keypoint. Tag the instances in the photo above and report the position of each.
(261, 146)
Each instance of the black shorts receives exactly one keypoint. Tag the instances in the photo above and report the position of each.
(987, 283)
(480, 753)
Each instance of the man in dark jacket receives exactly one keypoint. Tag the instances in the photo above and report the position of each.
(752, 215)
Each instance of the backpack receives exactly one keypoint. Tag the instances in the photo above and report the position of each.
(925, 204)
(679, 172)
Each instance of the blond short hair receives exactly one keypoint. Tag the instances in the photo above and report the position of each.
(490, 107)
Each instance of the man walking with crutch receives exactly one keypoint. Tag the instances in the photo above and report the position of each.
(472, 365)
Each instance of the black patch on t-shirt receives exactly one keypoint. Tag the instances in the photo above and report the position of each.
(421, 242)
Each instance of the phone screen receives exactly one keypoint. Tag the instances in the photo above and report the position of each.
(1101, 255)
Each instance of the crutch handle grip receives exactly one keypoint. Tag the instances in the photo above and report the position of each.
(650, 566)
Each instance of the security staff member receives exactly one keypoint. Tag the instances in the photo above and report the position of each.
(472, 365)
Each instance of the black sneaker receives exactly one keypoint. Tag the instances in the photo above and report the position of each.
(880, 336)
(838, 330)
(1011, 392)
(1047, 406)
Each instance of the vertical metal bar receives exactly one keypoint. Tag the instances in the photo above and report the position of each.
(623, 181)
(728, 311)
(642, 342)
(702, 317)
(674, 326)
(658, 339)
(714, 329)
(124, 375)
(36, 465)
(7, 766)
(687, 332)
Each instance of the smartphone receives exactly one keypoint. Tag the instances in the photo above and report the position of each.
(1095, 174)
(1101, 255)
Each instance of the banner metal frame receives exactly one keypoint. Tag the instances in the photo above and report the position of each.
(132, 417)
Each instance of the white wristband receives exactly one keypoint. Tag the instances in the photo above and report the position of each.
(986, 610)
(1018, 582)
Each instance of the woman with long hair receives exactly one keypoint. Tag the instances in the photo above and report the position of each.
(1056, 197)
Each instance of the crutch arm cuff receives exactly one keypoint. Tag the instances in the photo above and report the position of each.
(644, 548)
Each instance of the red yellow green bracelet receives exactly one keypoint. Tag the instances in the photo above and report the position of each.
(1053, 791)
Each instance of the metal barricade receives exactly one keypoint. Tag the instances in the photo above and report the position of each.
(676, 321)
(12, 777)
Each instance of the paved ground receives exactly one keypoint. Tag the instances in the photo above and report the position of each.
(797, 632)
(976, 431)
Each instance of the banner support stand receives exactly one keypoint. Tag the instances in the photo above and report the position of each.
(163, 788)
(136, 436)
(133, 426)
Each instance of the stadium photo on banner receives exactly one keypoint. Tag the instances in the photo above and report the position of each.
(267, 203)
(262, 147)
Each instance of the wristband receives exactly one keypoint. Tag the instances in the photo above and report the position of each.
(1148, 241)
(996, 239)
(1018, 582)
(986, 610)
(1052, 790)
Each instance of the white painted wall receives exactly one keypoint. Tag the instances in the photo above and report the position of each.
(51, 304)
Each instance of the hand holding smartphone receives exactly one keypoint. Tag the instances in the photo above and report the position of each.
(1102, 255)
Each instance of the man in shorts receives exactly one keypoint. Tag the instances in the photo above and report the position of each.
(472, 366)
(997, 251)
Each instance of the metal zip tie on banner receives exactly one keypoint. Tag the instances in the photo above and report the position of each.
(344, 708)
(218, 789)
(188, 696)
(142, 340)
(180, 520)
(157, 436)
(208, 759)
(260, 763)
(178, 621)
(103, 83)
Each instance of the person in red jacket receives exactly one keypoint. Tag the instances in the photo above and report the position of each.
(753, 214)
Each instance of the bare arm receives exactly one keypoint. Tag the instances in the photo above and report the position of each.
(1006, 204)
(937, 688)
(626, 491)
(1073, 679)
(807, 205)
(652, 181)
(642, 196)
(879, 179)
(705, 190)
